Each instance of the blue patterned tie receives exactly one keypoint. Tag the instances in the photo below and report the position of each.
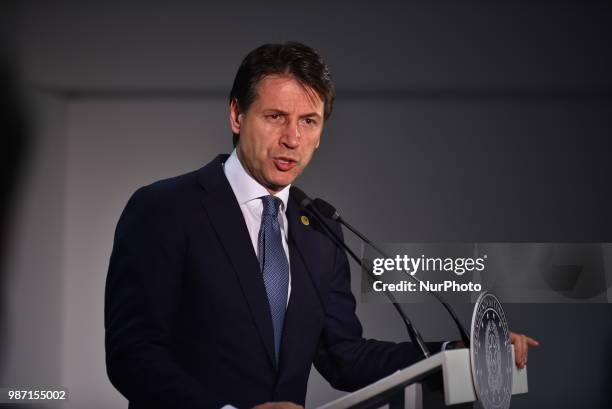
(274, 265)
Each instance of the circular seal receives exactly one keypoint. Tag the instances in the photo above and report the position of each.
(491, 354)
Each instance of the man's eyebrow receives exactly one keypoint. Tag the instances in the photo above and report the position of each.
(280, 111)
(275, 110)
(311, 114)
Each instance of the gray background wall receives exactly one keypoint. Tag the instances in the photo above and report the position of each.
(454, 121)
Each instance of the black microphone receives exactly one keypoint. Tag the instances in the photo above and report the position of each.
(307, 203)
(330, 211)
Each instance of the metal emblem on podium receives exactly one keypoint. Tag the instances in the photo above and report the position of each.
(491, 353)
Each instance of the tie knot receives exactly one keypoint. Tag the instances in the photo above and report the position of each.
(270, 205)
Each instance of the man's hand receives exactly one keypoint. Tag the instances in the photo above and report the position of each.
(521, 346)
(278, 405)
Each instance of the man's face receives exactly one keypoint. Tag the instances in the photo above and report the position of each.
(279, 132)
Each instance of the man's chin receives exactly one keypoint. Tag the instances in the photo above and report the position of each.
(278, 184)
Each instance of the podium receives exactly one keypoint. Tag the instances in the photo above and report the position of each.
(442, 380)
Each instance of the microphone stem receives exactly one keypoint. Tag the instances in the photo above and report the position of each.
(413, 333)
(464, 336)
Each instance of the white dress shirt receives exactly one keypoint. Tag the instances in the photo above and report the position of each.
(248, 193)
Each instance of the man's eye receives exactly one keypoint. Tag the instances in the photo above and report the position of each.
(274, 117)
(310, 121)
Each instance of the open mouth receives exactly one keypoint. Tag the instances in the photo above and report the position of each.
(284, 164)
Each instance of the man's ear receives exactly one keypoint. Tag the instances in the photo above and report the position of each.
(234, 116)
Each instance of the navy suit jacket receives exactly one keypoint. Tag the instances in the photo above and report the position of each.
(186, 315)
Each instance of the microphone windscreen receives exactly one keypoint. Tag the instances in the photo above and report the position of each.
(326, 209)
(301, 197)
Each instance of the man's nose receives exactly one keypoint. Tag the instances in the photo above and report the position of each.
(291, 135)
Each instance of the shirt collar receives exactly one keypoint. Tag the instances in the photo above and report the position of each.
(246, 188)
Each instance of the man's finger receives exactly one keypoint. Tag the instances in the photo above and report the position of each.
(520, 351)
(532, 342)
(516, 339)
(525, 350)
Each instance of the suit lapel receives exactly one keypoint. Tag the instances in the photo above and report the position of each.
(227, 220)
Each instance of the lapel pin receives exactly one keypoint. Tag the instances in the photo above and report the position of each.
(304, 220)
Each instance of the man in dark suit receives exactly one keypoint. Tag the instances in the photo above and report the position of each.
(221, 289)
